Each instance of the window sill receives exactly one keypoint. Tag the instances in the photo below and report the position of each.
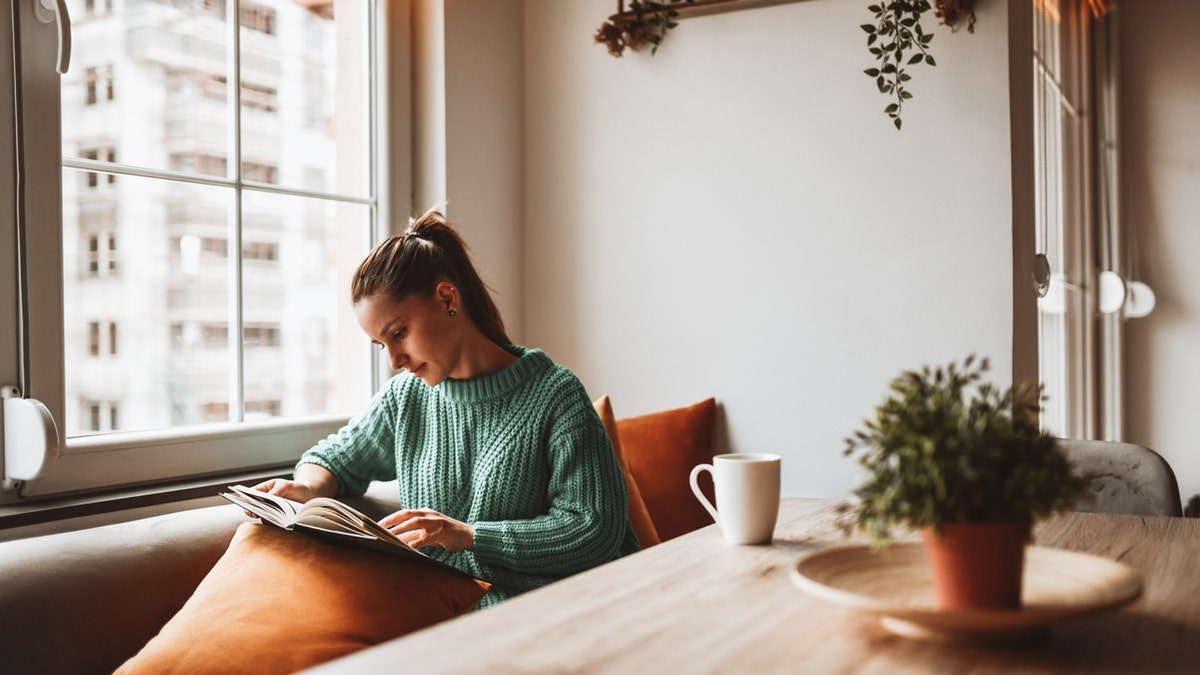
(46, 516)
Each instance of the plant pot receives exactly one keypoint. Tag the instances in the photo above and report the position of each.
(977, 565)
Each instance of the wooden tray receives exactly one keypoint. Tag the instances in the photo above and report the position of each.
(897, 586)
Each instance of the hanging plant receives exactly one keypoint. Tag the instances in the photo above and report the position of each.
(897, 40)
(646, 22)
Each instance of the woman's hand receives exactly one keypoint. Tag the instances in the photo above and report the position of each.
(310, 481)
(424, 527)
(289, 489)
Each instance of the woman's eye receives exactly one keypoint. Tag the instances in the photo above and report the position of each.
(399, 335)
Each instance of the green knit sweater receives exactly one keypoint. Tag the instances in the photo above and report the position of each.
(521, 455)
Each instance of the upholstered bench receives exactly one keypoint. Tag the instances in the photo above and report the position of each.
(86, 601)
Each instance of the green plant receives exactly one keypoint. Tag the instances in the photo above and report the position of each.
(646, 22)
(897, 41)
(948, 447)
(901, 43)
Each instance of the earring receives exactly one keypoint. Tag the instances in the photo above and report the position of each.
(453, 313)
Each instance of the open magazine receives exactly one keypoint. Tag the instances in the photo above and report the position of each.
(328, 518)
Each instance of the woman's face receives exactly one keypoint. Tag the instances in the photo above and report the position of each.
(418, 334)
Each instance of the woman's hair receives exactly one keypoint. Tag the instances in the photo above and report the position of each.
(413, 263)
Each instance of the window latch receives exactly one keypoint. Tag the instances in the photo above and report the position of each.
(30, 437)
(56, 11)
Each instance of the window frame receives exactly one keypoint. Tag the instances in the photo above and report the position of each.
(34, 358)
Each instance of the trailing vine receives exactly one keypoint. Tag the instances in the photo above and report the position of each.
(898, 41)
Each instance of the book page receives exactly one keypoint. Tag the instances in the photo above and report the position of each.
(272, 508)
(332, 510)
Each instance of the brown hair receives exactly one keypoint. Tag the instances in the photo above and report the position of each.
(413, 263)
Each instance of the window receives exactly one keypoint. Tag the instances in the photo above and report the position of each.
(98, 333)
(93, 180)
(187, 84)
(230, 255)
(100, 415)
(99, 84)
(92, 7)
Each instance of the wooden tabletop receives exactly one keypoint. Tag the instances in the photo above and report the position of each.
(697, 604)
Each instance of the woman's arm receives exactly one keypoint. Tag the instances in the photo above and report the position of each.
(587, 523)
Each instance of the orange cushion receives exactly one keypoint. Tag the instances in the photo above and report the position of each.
(661, 449)
(279, 602)
(643, 526)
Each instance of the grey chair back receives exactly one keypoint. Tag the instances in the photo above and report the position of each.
(1126, 478)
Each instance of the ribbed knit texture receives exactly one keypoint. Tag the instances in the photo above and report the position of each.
(521, 455)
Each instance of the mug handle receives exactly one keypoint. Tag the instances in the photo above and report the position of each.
(700, 495)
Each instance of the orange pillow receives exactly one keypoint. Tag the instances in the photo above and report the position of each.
(279, 602)
(661, 449)
(643, 526)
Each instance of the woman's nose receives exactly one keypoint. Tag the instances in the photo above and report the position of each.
(396, 358)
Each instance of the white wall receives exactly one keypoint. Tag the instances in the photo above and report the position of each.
(468, 131)
(736, 217)
(1160, 165)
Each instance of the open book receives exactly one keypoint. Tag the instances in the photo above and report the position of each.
(330, 519)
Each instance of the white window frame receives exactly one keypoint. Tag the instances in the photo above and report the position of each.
(34, 358)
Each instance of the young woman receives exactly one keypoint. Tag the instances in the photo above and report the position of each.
(505, 470)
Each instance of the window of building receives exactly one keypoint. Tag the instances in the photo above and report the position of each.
(177, 211)
(209, 164)
(101, 254)
(259, 172)
(215, 86)
(97, 7)
(101, 416)
(259, 18)
(99, 84)
(260, 250)
(102, 338)
(261, 335)
(92, 179)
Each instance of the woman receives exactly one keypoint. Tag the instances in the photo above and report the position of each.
(505, 470)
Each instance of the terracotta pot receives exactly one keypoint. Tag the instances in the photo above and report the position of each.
(977, 565)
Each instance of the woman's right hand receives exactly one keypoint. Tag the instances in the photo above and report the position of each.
(289, 489)
(310, 481)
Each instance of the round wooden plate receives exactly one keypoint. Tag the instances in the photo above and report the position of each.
(897, 586)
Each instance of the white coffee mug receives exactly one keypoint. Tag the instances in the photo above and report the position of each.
(747, 490)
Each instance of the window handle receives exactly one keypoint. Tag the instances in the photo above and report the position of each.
(31, 441)
(56, 10)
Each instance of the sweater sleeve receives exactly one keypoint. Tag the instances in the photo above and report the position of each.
(363, 450)
(587, 523)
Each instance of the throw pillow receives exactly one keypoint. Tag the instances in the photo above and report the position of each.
(280, 602)
(643, 525)
(661, 449)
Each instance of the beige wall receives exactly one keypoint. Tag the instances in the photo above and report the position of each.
(467, 128)
(736, 217)
(1160, 165)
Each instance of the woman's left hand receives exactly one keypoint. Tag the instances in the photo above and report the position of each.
(425, 527)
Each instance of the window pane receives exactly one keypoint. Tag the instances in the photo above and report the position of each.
(303, 122)
(155, 262)
(170, 295)
(304, 352)
(147, 85)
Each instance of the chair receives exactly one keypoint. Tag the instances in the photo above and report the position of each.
(1126, 478)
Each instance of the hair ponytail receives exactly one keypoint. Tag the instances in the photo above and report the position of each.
(413, 263)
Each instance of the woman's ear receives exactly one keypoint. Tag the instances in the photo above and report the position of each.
(446, 295)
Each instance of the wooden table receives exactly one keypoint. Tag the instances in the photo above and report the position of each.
(699, 604)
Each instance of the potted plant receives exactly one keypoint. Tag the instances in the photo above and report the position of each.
(967, 465)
